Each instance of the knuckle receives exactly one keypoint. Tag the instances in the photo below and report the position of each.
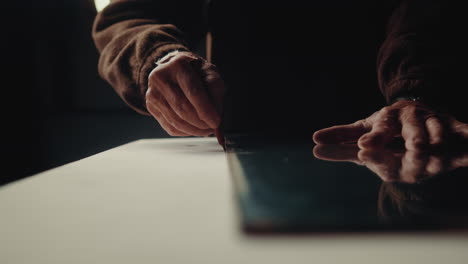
(367, 123)
(157, 73)
(386, 111)
(154, 73)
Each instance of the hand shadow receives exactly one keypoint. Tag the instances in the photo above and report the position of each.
(419, 188)
(395, 164)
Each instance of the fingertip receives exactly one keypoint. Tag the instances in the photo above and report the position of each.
(316, 137)
(329, 135)
(317, 151)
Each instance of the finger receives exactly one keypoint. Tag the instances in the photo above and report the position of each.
(337, 153)
(384, 129)
(413, 166)
(192, 86)
(385, 164)
(215, 85)
(174, 120)
(435, 131)
(413, 129)
(460, 161)
(172, 131)
(460, 128)
(434, 166)
(342, 133)
(161, 84)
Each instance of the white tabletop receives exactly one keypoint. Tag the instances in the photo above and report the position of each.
(171, 201)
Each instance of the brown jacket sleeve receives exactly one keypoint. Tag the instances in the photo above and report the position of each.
(132, 34)
(415, 59)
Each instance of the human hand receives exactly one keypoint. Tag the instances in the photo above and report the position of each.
(416, 123)
(185, 95)
(395, 165)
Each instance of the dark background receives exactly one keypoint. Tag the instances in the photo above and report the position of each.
(56, 109)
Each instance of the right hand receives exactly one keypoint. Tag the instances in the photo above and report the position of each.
(185, 95)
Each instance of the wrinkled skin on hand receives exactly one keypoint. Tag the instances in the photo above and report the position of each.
(393, 165)
(185, 95)
(416, 123)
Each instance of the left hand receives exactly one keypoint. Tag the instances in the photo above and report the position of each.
(418, 125)
(185, 95)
